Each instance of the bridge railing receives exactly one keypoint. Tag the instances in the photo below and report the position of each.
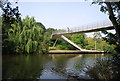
(84, 27)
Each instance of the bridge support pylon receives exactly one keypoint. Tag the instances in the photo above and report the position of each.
(70, 42)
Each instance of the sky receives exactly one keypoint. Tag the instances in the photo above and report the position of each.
(60, 15)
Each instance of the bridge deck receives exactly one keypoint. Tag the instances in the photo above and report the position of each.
(57, 34)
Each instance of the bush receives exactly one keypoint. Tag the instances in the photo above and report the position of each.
(105, 68)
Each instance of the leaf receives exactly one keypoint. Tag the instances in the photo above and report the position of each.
(29, 46)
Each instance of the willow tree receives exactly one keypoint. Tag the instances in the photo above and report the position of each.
(27, 36)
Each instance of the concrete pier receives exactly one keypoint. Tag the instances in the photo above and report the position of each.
(75, 52)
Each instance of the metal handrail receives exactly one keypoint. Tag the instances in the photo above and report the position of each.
(101, 24)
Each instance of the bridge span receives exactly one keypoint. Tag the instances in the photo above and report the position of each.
(82, 29)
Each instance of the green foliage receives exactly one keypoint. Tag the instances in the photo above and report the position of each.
(9, 16)
(113, 8)
(27, 36)
(91, 44)
(106, 68)
(63, 45)
(100, 45)
(87, 43)
(23, 36)
(31, 35)
(109, 48)
(112, 39)
(79, 39)
(47, 37)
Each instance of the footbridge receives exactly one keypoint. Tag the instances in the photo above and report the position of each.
(82, 29)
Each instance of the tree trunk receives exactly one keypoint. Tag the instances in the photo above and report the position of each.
(113, 19)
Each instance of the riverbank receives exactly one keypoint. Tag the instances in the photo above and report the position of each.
(75, 52)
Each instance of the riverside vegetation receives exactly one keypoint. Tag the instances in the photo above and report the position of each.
(26, 36)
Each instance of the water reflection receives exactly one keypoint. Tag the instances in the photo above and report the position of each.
(46, 66)
(23, 67)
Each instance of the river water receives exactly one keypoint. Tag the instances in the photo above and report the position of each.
(47, 66)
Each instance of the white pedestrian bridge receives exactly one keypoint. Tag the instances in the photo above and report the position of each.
(104, 25)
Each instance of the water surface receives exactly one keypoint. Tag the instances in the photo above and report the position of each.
(47, 66)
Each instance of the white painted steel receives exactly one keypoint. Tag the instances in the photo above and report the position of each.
(70, 42)
(96, 25)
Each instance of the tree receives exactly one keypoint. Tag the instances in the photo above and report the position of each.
(47, 37)
(90, 44)
(79, 39)
(9, 16)
(96, 37)
(101, 45)
(112, 16)
(20, 36)
(27, 36)
(112, 8)
(106, 68)
(112, 39)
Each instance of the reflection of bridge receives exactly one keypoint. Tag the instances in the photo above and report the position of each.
(83, 29)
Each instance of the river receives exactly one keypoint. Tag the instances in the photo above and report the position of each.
(47, 66)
